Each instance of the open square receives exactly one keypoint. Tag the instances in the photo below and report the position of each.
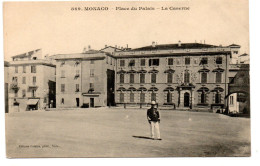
(114, 132)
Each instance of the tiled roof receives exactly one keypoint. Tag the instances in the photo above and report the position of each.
(27, 54)
(174, 46)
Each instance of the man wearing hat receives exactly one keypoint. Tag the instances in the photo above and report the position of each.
(153, 117)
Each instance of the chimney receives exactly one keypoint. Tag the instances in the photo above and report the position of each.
(153, 44)
(89, 47)
(105, 46)
(179, 43)
(84, 49)
(126, 45)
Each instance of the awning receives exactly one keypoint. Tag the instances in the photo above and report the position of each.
(32, 101)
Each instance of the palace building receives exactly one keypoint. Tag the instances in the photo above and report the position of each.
(184, 75)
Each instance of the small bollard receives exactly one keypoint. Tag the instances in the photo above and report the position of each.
(124, 106)
(140, 105)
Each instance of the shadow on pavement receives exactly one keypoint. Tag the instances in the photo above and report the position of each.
(143, 137)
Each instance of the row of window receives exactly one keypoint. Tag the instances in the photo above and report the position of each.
(33, 69)
(91, 87)
(78, 73)
(204, 78)
(15, 80)
(76, 63)
(156, 62)
(33, 93)
(132, 97)
(169, 98)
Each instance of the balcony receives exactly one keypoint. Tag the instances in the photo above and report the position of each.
(14, 86)
(32, 86)
(76, 76)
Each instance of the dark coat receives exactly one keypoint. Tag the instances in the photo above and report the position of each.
(153, 115)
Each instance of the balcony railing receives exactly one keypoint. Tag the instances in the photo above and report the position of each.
(14, 85)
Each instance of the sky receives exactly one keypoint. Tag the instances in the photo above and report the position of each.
(56, 29)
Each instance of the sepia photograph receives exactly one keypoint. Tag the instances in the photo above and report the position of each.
(127, 79)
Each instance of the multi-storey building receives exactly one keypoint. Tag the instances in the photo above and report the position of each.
(85, 79)
(6, 77)
(32, 82)
(182, 74)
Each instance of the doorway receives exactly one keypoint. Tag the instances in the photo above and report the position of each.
(77, 101)
(186, 99)
(92, 102)
(110, 87)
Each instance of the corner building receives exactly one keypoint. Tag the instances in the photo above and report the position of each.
(183, 75)
(31, 82)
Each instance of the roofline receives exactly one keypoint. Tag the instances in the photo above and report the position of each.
(83, 58)
(110, 47)
(174, 54)
(39, 63)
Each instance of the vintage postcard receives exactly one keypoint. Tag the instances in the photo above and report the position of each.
(127, 79)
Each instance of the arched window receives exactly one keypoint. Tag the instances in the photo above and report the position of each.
(204, 77)
(169, 97)
(121, 97)
(169, 78)
(203, 98)
(142, 78)
(153, 78)
(153, 96)
(218, 77)
(142, 97)
(186, 77)
(132, 78)
(122, 77)
(132, 97)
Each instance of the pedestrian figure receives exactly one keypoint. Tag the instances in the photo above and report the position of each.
(153, 117)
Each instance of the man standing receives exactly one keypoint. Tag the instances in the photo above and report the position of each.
(153, 117)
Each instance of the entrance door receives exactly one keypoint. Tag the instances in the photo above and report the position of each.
(77, 100)
(186, 99)
(91, 102)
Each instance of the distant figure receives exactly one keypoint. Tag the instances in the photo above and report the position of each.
(153, 117)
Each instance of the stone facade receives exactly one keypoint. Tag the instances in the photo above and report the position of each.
(184, 75)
